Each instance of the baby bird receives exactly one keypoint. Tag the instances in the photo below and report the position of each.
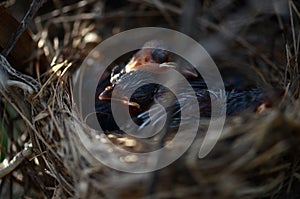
(153, 59)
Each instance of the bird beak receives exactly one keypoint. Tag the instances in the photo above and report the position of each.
(107, 95)
(168, 65)
(188, 71)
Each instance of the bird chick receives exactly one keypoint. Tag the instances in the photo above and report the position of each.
(153, 59)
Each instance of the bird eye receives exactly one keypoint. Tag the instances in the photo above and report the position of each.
(159, 55)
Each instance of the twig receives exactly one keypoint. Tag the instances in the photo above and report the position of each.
(34, 7)
(7, 3)
(161, 7)
(101, 18)
(189, 15)
(13, 77)
(252, 49)
(31, 126)
(15, 162)
(63, 10)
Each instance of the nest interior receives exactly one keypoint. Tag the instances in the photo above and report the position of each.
(256, 155)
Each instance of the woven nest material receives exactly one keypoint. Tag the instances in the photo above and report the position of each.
(257, 155)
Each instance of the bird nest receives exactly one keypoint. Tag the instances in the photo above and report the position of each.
(256, 155)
